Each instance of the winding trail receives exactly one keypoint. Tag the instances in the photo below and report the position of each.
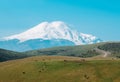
(104, 53)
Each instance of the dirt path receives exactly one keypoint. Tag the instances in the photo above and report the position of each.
(104, 53)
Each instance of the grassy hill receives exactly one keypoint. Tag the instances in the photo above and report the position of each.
(10, 55)
(78, 51)
(60, 69)
(83, 51)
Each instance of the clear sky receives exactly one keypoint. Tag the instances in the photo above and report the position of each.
(98, 17)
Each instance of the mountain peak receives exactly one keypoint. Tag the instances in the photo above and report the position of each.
(54, 30)
(55, 24)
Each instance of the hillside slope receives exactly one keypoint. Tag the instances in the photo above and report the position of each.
(81, 50)
(59, 69)
(112, 47)
(10, 55)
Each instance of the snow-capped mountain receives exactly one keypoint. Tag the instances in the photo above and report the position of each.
(57, 32)
(54, 30)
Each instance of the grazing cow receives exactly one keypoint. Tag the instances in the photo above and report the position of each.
(23, 72)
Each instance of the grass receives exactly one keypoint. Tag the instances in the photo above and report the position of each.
(59, 69)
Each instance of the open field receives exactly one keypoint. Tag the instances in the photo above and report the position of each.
(60, 69)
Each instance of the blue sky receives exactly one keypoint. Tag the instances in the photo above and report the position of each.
(98, 17)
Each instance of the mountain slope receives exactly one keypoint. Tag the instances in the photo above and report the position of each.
(46, 35)
(15, 45)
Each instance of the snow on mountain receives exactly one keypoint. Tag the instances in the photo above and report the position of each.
(54, 30)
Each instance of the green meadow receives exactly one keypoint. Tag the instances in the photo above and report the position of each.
(60, 69)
